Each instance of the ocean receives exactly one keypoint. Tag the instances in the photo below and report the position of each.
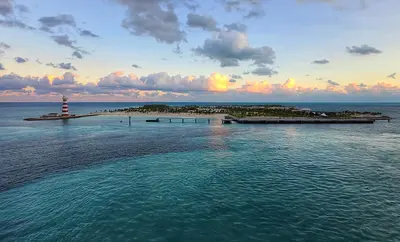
(99, 179)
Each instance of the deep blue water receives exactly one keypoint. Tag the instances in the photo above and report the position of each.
(97, 179)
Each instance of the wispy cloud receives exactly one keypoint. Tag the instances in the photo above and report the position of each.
(363, 50)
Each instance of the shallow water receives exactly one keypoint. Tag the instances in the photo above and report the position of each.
(96, 179)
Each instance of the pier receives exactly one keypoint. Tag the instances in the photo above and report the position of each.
(181, 119)
(229, 120)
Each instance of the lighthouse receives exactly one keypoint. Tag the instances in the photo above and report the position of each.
(65, 106)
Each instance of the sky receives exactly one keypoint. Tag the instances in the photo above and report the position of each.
(192, 50)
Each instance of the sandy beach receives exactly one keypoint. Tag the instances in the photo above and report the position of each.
(160, 114)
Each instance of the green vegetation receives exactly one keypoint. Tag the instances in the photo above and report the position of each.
(241, 111)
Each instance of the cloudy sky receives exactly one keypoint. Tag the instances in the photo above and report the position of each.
(192, 50)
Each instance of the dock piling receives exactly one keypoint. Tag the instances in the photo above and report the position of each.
(129, 120)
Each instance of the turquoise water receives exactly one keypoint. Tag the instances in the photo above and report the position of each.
(97, 179)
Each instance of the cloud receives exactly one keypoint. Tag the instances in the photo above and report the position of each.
(177, 50)
(195, 88)
(67, 79)
(256, 87)
(65, 66)
(8, 23)
(77, 55)
(38, 61)
(393, 76)
(4, 46)
(255, 13)
(192, 6)
(6, 7)
(362, 85)
(264, 71)
(20, 60)
(54, 21)
(321, 62)
(155, 18)
(241, 5)
(88, 33)
(136, 66)
(164, 82)
(21, 8)
(239, 27)
(330, 82)
(64, 40)
(230, 47)
(246, 72)
(234, 76)
(2, 67)
(207, 23)
(362, 50)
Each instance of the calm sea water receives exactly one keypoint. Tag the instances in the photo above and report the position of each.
(98, 179)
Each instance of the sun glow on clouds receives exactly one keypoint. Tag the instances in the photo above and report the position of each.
(218, 83)
(161, 86)
(51, 78)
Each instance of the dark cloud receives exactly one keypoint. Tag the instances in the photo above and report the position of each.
(20, 60)
(393, 75)
(77, 55)
(207, 23)
(156, 81)
(54, 21)
(264, 71)
(362, 85)
(321, 62)
(4, 46)
(2, 67)
(230, 47)
(234, 76)
(362, 50)
(154, 18)
(65, 66)
(330, 82)
(232, 80)
(8, 23)
(6, 7)
(46, 29)
(38, 61)
(319, 78)
(136, 66)
(236, 26)
(255, 13)
(88, 33)
(64, 40)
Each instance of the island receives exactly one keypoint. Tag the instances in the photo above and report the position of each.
(250, 113)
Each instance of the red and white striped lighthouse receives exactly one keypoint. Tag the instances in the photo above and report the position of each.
(65, 106)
